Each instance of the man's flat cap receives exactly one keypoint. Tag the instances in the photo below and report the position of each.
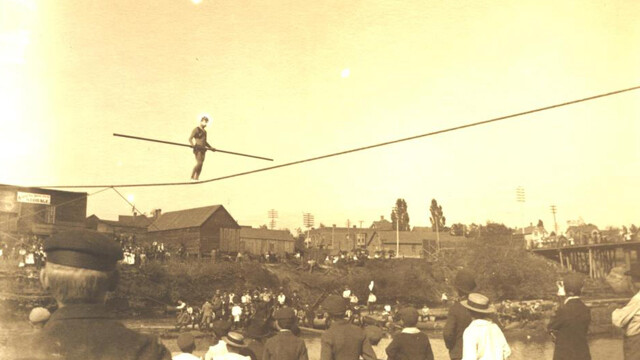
(83, 248)
(335, 305)
(284, 313)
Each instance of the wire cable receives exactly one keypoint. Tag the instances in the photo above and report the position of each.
(360, 148)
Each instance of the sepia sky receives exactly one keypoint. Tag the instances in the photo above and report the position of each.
(296, 79)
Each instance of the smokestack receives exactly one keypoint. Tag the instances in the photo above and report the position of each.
(157, 213)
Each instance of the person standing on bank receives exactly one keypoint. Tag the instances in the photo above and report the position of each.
(285, 345)
(343, 341)
(628, 317)
(570, 324)
(483, 339)
(410, 343)
(459, 317)
(80, 270)
(198, 140)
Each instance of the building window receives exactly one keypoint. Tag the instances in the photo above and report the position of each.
(50, 215)
(361, 239)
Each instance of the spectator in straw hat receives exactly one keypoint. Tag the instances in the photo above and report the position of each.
(570, 324)
(186, 344)
(235, 346)
(257, 332)
(482, 339)
(343, 341)
(285, 345)
(459, 317)
(80, 271)
(38, 317)
(410, 343)
(628, 317)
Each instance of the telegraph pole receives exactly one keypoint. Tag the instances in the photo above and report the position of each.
(520, 197)
(307, 221)
(395, 210)
(555, 223)
(273, 215)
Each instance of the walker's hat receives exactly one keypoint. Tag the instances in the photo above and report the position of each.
(334, 305)
(39, 315)
(235, 339)
(373, 333)
(478, 303)
(186, 341)
(284, 313)
(409, 316)
(221, 327)
(83, 249)
(573, 283)
(205, 118)
(634, 272)
(465, 281)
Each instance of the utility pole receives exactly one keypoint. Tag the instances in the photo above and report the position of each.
(273, 215)
(555, 223)
(520, 197)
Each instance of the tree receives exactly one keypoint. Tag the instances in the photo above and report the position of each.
(400, 216)
(437, 217)
(457, 229)
(540, 224)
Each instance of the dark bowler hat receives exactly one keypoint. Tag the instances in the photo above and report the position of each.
(409, 316)
(334, 305)
(465, 281)
(284, 313)
(186, 341)
(634, 272)
(573, 283)
(83, 248)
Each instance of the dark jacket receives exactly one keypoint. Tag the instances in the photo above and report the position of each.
(457, 321)
(285, 346)
(570, 325)
(345, 341)
(88, 331)
(405, 346)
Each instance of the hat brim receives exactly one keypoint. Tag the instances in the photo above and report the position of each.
(232, 343)
(490, 310)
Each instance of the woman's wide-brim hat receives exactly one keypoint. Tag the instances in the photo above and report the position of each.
(478, 303)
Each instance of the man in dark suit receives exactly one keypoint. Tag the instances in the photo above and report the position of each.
(285, 345)
(459, 317)
(343, 340)
(570, 324)
(80, 270)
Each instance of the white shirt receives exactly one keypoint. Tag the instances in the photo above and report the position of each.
(483, 340)
(346, 294)
(216, 351)
(281, 299)
(628, 317)
(185, 356)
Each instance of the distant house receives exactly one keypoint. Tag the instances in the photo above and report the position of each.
(125, 225)
(28, 210)
(382, 224)
(260, 241)
(410, 243)
(200, 230)
(532, 234)
(339, 239)
(583, 234)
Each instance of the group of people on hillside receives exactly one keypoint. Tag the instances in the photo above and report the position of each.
(81, 270)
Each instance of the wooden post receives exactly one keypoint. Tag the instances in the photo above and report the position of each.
(561, 262)
(627, 258)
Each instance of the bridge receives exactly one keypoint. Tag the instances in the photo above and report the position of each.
(597, 260)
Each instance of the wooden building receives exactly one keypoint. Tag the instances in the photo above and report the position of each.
(125, 225)
(37, 211)
(200, 230)
(260, 241)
